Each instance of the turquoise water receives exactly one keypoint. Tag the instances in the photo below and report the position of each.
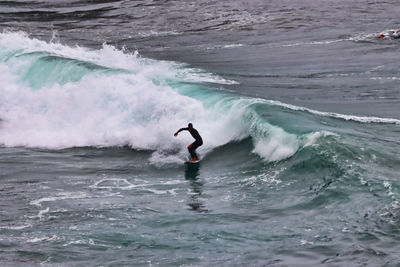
(92, 175)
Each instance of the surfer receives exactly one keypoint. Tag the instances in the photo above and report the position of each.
(198, 141)
(391, 34)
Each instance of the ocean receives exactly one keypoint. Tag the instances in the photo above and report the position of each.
(297, 103)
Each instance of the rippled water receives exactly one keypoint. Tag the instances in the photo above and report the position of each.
(297, 103)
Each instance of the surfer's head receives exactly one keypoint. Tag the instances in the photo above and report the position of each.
(190, 126)
(380, 36)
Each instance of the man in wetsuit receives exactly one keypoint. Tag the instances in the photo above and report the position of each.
(390, 34)
(198, 140)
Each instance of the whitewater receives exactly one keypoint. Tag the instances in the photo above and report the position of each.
(58, 97)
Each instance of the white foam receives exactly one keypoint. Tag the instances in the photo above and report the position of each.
(326, 42)
(162, 192)
(42, 239)
(137, 108)
(388, 186)
(42, 212)
(16, 227)
(158, 33)
(80, 242)
(158, 158)
(114, 183)
(226, 46)
(198, 76)
(269, 178)
(59, 196)
(304, 242)
(311, 139)
(277, 147)
(385, 78)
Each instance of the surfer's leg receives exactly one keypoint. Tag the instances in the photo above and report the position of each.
(192, 150)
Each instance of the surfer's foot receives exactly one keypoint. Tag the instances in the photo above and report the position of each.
(194, 159)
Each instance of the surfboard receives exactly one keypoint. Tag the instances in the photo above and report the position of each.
(192, 161)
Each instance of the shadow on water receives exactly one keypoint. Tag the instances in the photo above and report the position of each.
(192, 172)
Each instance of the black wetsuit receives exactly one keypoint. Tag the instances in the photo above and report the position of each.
(198, 141)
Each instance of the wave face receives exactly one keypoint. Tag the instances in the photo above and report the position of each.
(55, 97)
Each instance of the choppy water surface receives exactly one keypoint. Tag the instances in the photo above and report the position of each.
(297, 102)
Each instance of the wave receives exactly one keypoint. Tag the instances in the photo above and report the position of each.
(56, 96)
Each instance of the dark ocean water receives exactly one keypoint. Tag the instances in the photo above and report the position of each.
(297, 102)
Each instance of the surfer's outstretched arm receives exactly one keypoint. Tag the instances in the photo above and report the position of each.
(181, 129)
